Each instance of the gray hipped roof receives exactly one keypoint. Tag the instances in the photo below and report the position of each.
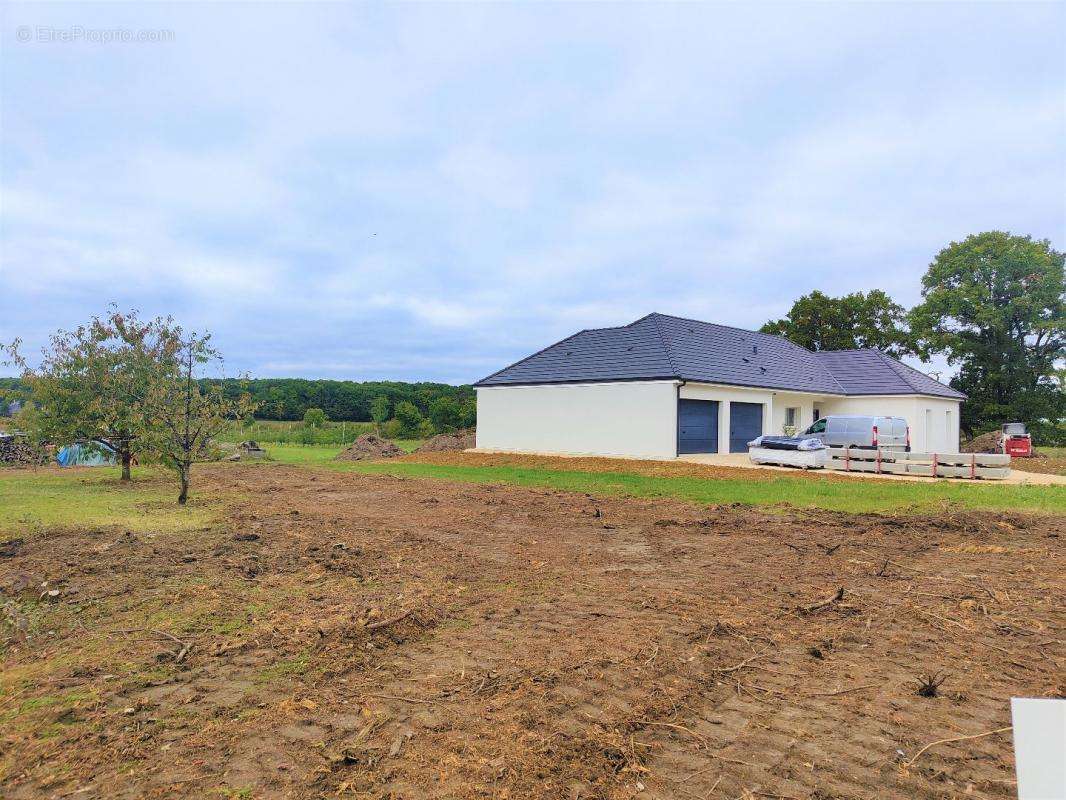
(872, 372)
(659, 346)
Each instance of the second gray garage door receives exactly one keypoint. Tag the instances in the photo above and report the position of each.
(745, 423)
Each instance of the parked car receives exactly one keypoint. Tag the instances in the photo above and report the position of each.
(860, 430)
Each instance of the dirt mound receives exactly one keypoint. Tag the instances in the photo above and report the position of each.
(459, 440)
(368, 447)
(985, 443)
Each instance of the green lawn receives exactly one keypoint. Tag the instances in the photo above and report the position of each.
(802, 491)
(31, 501)
(323, 454)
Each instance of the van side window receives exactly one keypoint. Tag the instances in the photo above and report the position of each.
(818, 427)
(857, 426)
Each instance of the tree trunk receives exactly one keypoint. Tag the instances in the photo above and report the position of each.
(183, 476)
(126, 456)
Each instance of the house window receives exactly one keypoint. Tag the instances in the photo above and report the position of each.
(817, 414)
(792, 416)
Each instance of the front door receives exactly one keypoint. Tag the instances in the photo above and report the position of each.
(697, 426)
(745, 423)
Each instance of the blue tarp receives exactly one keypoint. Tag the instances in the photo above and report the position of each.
(83, 455)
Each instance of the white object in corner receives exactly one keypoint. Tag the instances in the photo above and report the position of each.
(1039, 747)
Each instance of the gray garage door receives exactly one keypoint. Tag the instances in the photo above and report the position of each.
(697, 426)
(745, 423)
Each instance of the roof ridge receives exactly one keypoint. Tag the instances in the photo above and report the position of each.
(828, 374)
(534, 355)
(907, 374)
(662, 340)
(729, 327)
(893, 363)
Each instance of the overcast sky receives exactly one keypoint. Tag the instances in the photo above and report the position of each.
(432, 191)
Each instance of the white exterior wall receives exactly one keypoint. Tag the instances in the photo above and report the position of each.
(637, 420)
(934, 421)
(804, 402)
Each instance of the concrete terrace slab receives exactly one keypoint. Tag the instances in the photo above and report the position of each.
(740, 461)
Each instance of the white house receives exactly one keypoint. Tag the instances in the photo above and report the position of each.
(665, 386)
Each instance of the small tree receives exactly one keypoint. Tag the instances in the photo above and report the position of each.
(445, 413)
(468, 415)
(379, 410)
(92, 382)
(410, 419)
(315, 418)
(184, 415)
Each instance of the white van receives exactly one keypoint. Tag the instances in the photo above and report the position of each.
(859, 430)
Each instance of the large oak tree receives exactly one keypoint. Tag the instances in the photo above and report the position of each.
(994, 304)
(852, 322)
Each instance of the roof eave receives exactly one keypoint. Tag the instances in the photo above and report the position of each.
(482, 384)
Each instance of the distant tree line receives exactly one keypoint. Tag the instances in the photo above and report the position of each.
(351, 401)
(289, 399)
(993, 305)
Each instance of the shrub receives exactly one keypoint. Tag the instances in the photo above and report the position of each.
(468, 414)
(1048, 434)
(410, 419)
(446, 413)
(315, 418)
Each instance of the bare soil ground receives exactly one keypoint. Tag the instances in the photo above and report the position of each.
(367, 636)
(1049, 465)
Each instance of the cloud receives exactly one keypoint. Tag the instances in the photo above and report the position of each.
(432, 192)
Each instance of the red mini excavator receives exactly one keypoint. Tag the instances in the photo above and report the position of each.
(1015, 441)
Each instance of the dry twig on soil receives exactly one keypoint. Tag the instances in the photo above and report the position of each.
(956, 739)
(824, 603)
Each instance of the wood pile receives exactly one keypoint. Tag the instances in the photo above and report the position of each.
(18, 450)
